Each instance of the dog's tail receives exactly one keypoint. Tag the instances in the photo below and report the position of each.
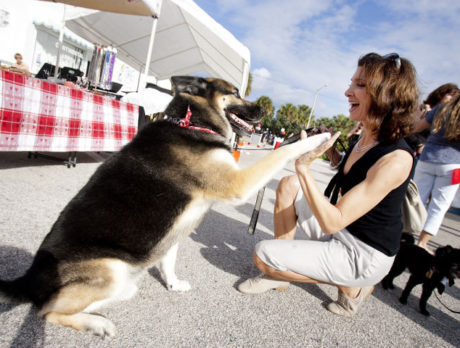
(13, 291)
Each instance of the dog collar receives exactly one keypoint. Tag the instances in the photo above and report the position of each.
(185, 123)
(430, 272)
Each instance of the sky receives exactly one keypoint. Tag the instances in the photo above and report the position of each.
(299, 46)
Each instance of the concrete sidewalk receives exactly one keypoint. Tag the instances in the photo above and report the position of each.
(214, 259)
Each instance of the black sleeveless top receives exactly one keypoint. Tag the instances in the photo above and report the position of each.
(381, 227)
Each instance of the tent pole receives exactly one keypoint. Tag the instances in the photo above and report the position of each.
(139, 80)
(149, 52)
(61, 39)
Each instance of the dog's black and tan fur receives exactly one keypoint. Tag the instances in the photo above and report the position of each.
(141, 202)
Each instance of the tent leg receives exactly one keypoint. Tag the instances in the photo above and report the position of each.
(61, 39)
(152, 39)
(149, 52)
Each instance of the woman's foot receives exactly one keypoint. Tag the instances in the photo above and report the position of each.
(347, 306)
(260, 284)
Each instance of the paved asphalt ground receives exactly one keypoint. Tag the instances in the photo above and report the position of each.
(214, 259)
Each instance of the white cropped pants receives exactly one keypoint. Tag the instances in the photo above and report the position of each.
(435, 179)
(339, 259)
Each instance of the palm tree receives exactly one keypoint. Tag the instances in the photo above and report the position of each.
(289, 111)
(267, 104)
(249, 87)
(304, 114)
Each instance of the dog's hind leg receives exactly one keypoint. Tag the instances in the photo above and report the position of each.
(98, 325)
(411, 283)
(398, 267)
(67, 306)
(86, 286)
(167, 265)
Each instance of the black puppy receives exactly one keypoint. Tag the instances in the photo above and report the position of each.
(425, 269)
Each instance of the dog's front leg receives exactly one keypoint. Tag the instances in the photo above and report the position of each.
(167, 265)
(427, 290)
(240, 184)
(411, 283)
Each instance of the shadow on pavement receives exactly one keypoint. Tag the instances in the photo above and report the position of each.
(9, 160)
(227, 245)
(230, 248)
(13, 263)
(439, 323)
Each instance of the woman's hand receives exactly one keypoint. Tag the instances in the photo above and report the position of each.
(304, 161)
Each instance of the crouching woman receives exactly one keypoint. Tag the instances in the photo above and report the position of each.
(353, 232)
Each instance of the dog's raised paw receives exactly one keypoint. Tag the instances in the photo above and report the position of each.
(179, 285)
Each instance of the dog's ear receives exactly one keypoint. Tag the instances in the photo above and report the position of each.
(189, 84)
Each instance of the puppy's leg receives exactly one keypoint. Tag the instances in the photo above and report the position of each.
(411, 283)
(167, 265)
(398, 267)
(428, 288)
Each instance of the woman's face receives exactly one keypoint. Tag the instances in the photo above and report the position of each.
(358, 97)
(446, 99)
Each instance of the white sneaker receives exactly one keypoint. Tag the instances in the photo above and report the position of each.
(260, 284)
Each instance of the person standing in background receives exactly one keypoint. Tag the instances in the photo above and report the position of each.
(440, 95)
(440, 157)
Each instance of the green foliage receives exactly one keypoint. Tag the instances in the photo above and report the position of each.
(288, 111)
(304, 114)
(249, 87)
(338, 123)
(267, 104)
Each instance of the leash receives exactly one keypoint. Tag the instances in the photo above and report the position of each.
(456, 312)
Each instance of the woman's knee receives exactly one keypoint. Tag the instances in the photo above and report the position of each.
(287, 189)
(262, 252)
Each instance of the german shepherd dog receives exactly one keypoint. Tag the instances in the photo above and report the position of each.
(429, 270)
(142, 201)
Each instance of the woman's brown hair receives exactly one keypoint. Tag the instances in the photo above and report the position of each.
(392, 86)
(448, 116)
(436, 96)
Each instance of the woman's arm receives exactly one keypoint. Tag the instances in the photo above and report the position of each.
(361, 198)
(420, 125)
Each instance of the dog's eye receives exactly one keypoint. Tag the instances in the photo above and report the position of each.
(236, 94)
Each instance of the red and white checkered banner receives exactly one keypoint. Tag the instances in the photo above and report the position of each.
(37, 115)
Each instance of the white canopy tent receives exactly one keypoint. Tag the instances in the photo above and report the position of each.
(133, 7)
(186, 40)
